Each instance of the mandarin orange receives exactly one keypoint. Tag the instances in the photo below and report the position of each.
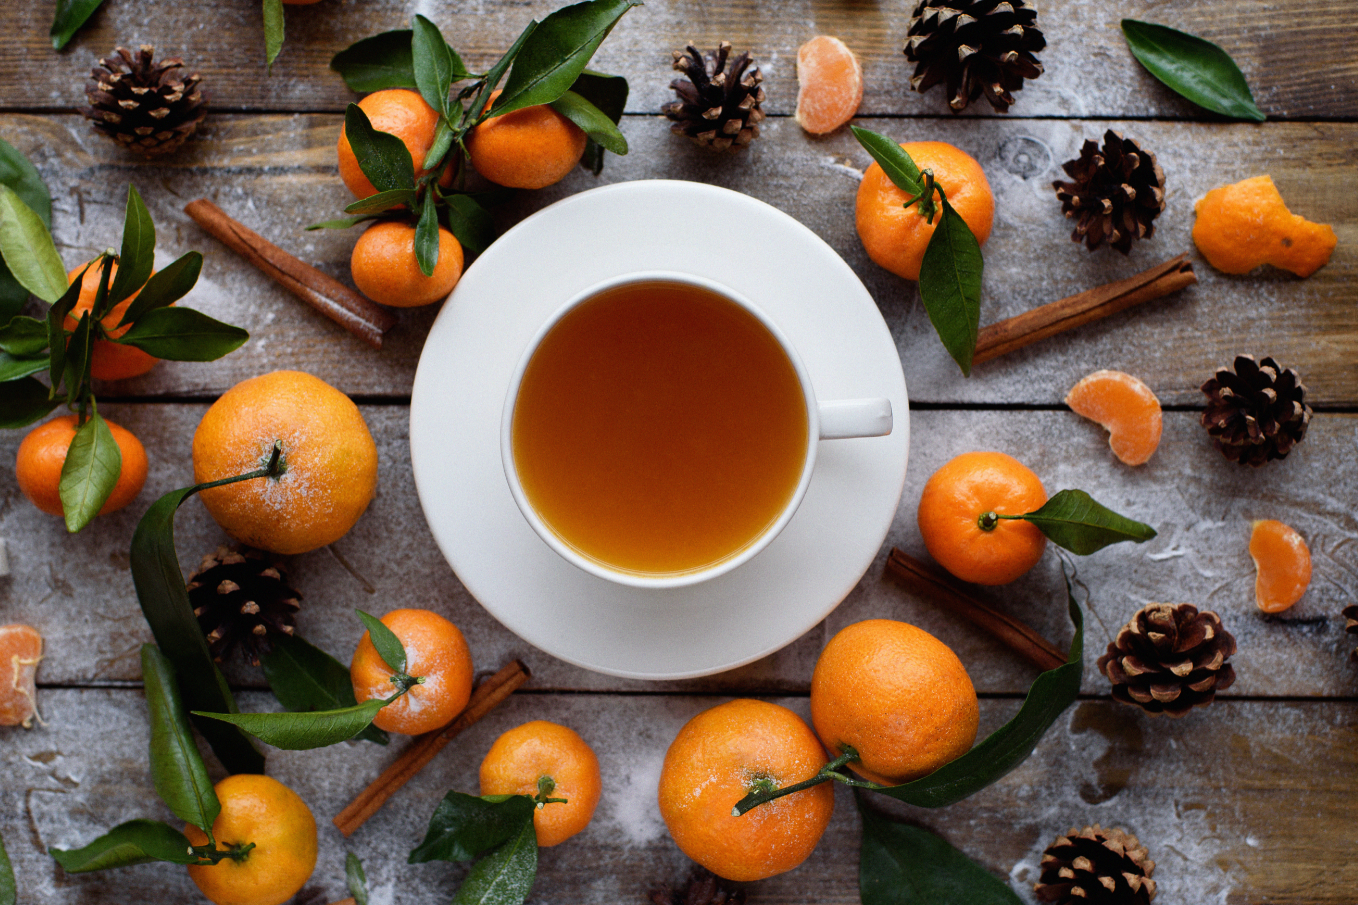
(37, 468)
(546, 756)
(435, 652)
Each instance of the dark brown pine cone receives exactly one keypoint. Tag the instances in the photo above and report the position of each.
(976, 47)
(1169, 659)
(240, 597)
(1351, 625)
(1116, 193)
(150, 108)
(703, 889)
(1095, 866)
(719, 106)
(1257, 412)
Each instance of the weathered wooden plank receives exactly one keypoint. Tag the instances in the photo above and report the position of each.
(78, 592)
(276, 174)
(1294, 55)
(1244, 802)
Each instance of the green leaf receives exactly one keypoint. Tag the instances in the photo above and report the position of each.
(27, 249)
(382, 201)
(134, 842)
(23, 336)
(9, 890)
(385, 61)
(20, 175)
(165, 603)
(13, 295)
(505, 876)
(464, 826)
(898, 165)
(609, 94)
(273, 31)
(56, 327)
(24, 401)
(469, 222)
(382, 157)
(439, 147)
(1072, 519)
(303, 731)
(92, 465)
(138, 256)
(165, 287)
(950, 286)
(354, 878)
(497, 71)
(592, 120)
(344, 222)
(177, 769)
(902, 864)
(1195, 68)
(13, 367)
(305, 678)
(432, 59)
(70, 15)
(427, 237)
(389, 647)
(76, 359)
(183, 334)
(557, 52)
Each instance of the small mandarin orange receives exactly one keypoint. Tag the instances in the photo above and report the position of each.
(435, 652)
(42, 454)
(385, 269)
(530, 148)
(400, 112)
(108, 360)
(829, 85)
(1282, 563)
(1123, 405)
(535, 756)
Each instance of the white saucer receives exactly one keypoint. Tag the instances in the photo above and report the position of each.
(469, 358)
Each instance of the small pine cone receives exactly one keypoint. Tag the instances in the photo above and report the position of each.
(241, 598)
(148, 108)
(702, 889)
(1117, 193)
(975, 46)
(1257, 412)
(1096, 866)
(1351, 625)
(1169, 659)
(719, 106)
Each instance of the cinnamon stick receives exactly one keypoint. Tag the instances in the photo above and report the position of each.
(484, 699)
(1077, 310)
(366, 320)
(1021, 637)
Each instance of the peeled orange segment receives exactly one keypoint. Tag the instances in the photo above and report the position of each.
(20, 653)
(1283, 565)
(1242, 226)
(830, 85)
(1123, 405)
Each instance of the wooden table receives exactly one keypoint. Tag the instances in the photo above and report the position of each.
(1254, 799)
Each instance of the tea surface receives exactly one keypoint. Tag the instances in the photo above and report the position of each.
(659, 428)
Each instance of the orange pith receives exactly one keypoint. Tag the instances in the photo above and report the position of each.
(1283, 565)
(385, 269)
(525, 754)
(42, 454)
(896, 236)
(1242, 226)
(720, 756)
(435, 652)
(956, 498)
(530, 148)
(20, 653)
(896, 695)
(108, 360)
(829, 85)
(1123, 405)
(402, 113)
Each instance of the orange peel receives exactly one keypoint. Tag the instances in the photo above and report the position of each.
(1242, 226)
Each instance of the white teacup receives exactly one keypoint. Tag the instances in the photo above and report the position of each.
(833, 420)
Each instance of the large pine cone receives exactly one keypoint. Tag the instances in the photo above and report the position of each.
(718, 107)
(1169, 659)
(976, 47)
(1095, 866)
(148, 108)
(1257, 412)
(1116, 193)
(240, 597)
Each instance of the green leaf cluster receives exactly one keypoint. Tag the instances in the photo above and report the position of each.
(30, 347)
(497, 829)
(546, 64)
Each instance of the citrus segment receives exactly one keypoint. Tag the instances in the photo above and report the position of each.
(20, 653)
(530, 148)
(435, 652)
(1241, 226)
(1123, 405)
(829, 85)
(385, 269)
(1282, 564)
(400, 112)
(526, 755)
(37, 468)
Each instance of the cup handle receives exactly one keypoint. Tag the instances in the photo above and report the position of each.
(846, 418)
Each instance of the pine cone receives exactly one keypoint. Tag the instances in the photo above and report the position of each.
(148, 108)
(1256, 413)
(1095, 866)
(1351, 625)
(976, 46)
(702, 889)
(718, 107)
(240, 597)
(1117, 193)
(1169, 659)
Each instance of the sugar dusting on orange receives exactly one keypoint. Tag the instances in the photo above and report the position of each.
(830, 85)
(1242, 226)
(20, 653)
(1126, 407)
(1283, 565)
